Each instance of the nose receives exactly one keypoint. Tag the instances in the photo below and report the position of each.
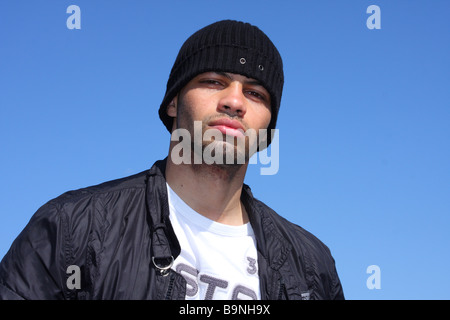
(232, 101)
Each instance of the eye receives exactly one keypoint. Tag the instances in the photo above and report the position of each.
(257, 95)
(212, 82)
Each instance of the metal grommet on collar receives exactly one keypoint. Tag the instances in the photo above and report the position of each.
(163, 270)
(261, 67)
(242, 60)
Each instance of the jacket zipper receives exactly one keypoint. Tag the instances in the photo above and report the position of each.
(280, 292)
(170, 287)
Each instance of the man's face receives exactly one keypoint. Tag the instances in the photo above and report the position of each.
(231, 104)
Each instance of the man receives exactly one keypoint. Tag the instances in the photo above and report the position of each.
(188, 228)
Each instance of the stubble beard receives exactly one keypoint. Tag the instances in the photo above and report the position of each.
(234, 152)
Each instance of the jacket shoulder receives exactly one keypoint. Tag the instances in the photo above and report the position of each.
(295, 234)
(136, 181)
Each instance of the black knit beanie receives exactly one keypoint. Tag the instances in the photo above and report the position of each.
(227, 46)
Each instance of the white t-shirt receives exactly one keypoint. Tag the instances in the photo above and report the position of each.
(218, 261)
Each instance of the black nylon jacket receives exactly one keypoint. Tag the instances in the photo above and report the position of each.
(119, 234)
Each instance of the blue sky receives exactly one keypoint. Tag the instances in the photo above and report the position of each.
(364, 120)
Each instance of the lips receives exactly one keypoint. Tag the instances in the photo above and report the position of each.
(228, 127)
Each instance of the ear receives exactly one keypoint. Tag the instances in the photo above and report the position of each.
(171, 109)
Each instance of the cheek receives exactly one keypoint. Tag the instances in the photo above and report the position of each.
(263, 116)
(196, 104)
(268, 117)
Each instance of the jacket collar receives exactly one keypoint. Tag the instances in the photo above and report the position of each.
(163, 251)
(270, 242)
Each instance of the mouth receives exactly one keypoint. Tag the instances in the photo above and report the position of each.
(228, 127)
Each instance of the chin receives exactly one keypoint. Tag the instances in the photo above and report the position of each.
(224, 153)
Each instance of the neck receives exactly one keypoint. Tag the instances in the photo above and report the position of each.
(213, 191)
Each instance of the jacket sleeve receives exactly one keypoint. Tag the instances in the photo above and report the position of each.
(35, 265)
(336, 290)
